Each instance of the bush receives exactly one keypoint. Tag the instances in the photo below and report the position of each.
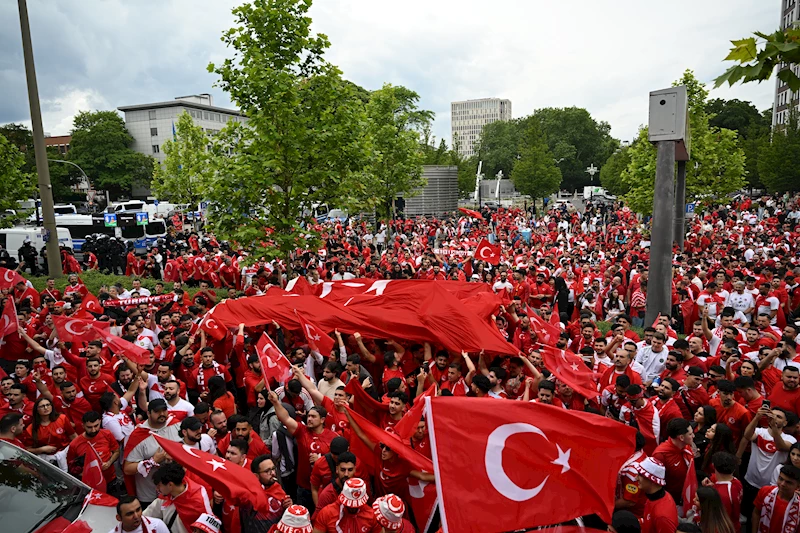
(94, 279)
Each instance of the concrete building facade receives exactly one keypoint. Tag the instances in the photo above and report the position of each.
(153, 124)
(785, 98)
(468, 118)
(439, 195)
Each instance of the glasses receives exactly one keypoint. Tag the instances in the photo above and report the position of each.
(44, 405)
(267, 471)
(725, 352)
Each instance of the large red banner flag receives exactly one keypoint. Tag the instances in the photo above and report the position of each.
(546, 332)
(70, 329)
(527, 459)
(274, 364)
(569, 368)
(9, 323)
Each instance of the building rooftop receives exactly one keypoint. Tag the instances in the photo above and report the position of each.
(180, 103)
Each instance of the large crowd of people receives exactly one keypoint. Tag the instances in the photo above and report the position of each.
(713, 385)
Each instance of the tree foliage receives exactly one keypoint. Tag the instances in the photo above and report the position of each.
(718, 162)
(756, 58)
(779, 160)
(498, 147)
(611, 171)
(305, 140)
(15, 183)
(752, 126)
(535, 173)
(181, 177)
(393, 126)
(101, 146)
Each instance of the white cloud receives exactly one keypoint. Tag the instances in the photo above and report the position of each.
(58, 112)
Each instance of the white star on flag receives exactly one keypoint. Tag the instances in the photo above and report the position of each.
(574, 367)
(216, 464)
(563, 459)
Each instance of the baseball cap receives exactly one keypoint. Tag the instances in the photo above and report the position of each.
(207, 523)
(192, 423)
(158, 404)
(654, 470)
(354, 493)
(695, 371)
(389, 511)
(339, 445)
(295, 520)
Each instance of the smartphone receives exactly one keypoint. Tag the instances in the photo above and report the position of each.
(766, 403)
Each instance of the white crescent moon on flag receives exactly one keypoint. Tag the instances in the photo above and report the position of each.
(190, 451)
(495, 445)
(9, 276)
(481, 253)
(68, 327)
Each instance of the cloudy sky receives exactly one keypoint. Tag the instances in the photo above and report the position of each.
(604, 55)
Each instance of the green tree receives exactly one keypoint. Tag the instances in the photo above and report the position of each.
(611, 171)
(180, 178)
(305, 140)
(535, 173)
(718, 162)
(21, 137)
(393, 125)
(498, 147)
(779, 160)
(757, 57)
(576, 141)
(101, 146)
(63, 177)
(15, 183)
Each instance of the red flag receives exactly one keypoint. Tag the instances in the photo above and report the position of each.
(423, 500)
(689, 487)
(93, 470)
(9, 278)
(274, 364)
(212, 327)
(471, 212)
(487, 252)
(546, 333)
(92, 304)
(530, 488)
(555, 316)
(100, 499)
(119, 346)
(317, 339)
(71, 329)
(569, 368)
(236, 484)
(9, 323)
(408, 424)
(78, 526)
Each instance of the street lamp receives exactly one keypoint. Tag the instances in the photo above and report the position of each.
(74, 165)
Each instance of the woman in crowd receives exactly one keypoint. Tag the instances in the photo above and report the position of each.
(704, 418)
(720, 439)
(50, 431)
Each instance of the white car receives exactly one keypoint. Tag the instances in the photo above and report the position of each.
(37, 496)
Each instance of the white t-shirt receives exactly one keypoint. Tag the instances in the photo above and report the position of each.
(182, 409)
(500, 285)
(206, 444)
(155, 525)
(774, 303)
(741, 302)
(765, 457)
(120, 425)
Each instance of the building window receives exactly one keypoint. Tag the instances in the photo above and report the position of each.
(153, 132)
(205, 115)
(152, 115)
(156, 149)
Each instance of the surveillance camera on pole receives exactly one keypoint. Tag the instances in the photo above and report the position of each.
(669, 131)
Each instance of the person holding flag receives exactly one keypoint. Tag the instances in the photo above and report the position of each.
(130, 519)
(181, 500)
(95, 441)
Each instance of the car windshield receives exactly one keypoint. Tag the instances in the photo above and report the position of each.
(34, 493)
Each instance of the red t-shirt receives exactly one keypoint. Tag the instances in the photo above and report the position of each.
(785, 399)
(328, 520)
(104, 444)
(660, 516)
(308, 443)
(55, 433)
(731, 493)
(256, 445)
(392, 477)
(336, 421)
(676, 463)
(778, 513)
(735, 417)
(93, 389)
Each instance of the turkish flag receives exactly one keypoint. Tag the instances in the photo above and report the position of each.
(393, 442)
(526, 459)
(9, 323)
(71, 329)
(487, 252)
(236, 484)
(546, 332)
(78, 526)
(569, 368)
(555, 316)
(212, 327)
(92, 304)
(317, 339)
(120, 346)
(100, 499)
(689, 487)
(423, 499)
(93, 470)
(274, 364)
(408, 424)
(9, 278)
(471, 212)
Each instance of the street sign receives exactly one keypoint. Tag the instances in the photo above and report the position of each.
(142, 219)
(45, 234)
(110, 220)
(155, 202)
(203, 206)
(90, 195)
(690, 208)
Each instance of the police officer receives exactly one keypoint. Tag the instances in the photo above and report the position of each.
(27, 254)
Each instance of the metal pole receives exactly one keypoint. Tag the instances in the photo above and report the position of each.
(680, 205)
(45, 189)
(659, 286)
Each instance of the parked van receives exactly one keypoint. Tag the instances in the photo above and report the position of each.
(81, 226)
(13, 238)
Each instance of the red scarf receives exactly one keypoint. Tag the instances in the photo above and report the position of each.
(789, 520)
(201, 378)
(189, 504)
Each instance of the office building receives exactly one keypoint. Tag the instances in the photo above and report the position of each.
(785, 98)
(153, 124)
(468, 118)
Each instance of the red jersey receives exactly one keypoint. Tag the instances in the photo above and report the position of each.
(735, 417)
(778, 517)
(660, 515)
(56, 433)
(104, 444)
(308, 443)
(731, 493)
(93, 389)
(256, 445)
(333, 519)
(785, 399)
(676, 462)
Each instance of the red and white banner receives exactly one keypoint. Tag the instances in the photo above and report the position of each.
(124, 302)
(274, 364)
(448, 251)
(487, 252)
